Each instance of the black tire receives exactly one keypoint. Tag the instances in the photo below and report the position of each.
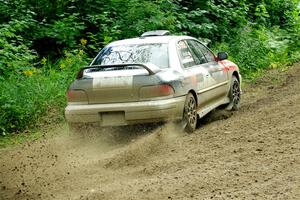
(234, 95)
(190, 116)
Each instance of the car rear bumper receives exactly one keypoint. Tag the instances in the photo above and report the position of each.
(114, 114)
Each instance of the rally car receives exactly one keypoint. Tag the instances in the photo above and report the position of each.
(155, 77)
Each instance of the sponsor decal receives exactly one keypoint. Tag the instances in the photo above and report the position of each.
(194, 80)
(107, 82)
(228, 66)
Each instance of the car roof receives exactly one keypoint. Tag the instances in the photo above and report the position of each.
(149, 40)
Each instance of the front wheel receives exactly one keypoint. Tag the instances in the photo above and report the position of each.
(190, 113)
(234, 95)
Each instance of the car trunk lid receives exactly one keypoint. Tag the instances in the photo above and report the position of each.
(116, 83)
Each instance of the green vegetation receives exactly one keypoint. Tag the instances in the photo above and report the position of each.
(44, 43)
(25, 98)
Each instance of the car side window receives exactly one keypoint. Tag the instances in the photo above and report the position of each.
(185, 54)
(207, 53)
(197, 53)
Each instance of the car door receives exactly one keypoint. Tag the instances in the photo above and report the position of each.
(216, 79)
(193, 71)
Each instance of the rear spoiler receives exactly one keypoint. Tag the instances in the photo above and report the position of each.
(151, 68)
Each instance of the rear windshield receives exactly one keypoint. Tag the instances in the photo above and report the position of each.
(156, 54)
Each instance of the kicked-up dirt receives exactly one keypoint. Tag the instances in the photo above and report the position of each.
(250, 154)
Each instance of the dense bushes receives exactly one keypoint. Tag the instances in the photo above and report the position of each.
(25, 98)
(43, 43)
(257, 49)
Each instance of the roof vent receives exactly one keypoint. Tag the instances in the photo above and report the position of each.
(156, 33)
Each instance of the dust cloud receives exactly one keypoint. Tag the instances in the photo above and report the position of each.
(36, 167)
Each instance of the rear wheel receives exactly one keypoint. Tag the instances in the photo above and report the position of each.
(190, 113)
(234, 95)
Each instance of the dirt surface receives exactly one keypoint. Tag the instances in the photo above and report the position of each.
(250, 154)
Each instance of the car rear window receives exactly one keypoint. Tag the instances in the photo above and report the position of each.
(156, 54)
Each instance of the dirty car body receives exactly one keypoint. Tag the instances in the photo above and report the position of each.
(148, 79)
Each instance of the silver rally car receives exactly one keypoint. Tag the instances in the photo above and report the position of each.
(155, 77)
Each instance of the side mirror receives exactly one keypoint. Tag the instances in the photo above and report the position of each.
(222, 55)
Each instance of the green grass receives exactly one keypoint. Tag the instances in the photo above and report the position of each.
(45, 131)
(25, 99)
(16, 139)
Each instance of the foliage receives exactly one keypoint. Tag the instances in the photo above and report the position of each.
(24, 99)
(15, 56)
(43, 43)
(257, 49)
(65, 30)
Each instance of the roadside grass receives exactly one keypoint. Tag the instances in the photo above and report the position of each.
(43, 130)
(16, 139)
(29, 97)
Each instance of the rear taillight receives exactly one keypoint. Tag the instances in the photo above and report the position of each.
(76, 96)
(156, 91)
